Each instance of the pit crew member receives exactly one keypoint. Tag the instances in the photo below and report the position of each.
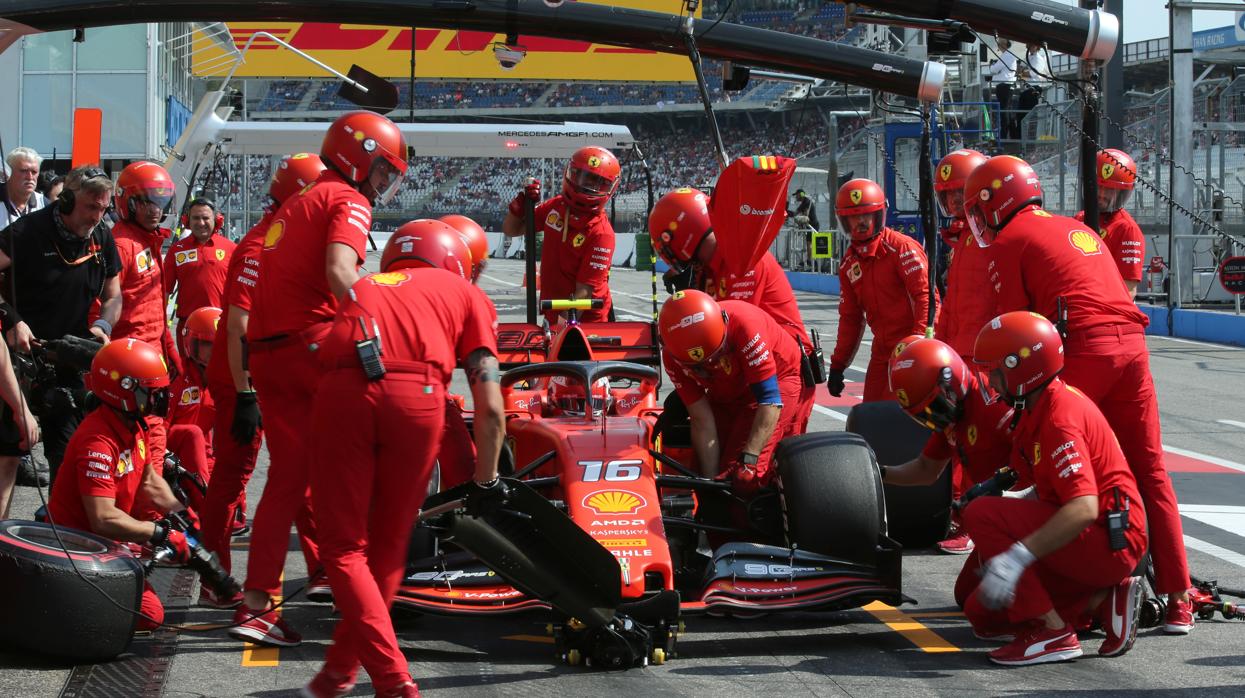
(1054, 266)
(108, 474)
(578, 248)
(1117, 175)
(882, 282)
(1073, 548)
(422, 316)
(236, 431)
(971, 431)
(195, 265)
(738, 372)
(192, 411)
(312, 251)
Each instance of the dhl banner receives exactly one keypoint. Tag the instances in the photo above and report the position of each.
(441, 53)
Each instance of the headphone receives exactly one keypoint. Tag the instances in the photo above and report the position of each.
(66, 197)
(204, 201)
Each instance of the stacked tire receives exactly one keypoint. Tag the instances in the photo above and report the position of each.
(55, 587)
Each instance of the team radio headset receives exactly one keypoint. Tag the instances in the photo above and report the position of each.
(65, 206)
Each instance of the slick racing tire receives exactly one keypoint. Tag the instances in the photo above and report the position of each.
(49, 609)
(916, 516)
(832, 495)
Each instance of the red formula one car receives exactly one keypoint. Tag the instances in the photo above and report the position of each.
(607, 528)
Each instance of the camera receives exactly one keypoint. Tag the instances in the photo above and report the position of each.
(37, 373)
(508, 55)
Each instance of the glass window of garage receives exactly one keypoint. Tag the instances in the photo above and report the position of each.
(48, 52)
(123, 99)
(114, 48)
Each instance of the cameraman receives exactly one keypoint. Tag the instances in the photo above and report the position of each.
(108, 476)
(60, 259)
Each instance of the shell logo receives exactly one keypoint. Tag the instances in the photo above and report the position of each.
(855, 195)
(389, 278)
(273, 235)
(614, 502)
(1085, 241)
(944, 172)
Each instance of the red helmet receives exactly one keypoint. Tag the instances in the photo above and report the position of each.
(590, 180)
(473, 237)
(930, 381)
(678, 222)
(130, 375)
(1117, 175)
(368, 150)
(952, 172)
(858, 197)
(1021, 351)
(199, 331)
(997, 190)
(426, 243)
(692, 326)
(143, 181)
(293, 174)
(566, 396)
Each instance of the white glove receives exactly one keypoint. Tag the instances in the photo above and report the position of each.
(1001, 575)
(1029, 492)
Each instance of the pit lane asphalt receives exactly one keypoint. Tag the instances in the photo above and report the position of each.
(848, 653)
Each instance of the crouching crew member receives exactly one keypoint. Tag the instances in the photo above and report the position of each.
(939, 390)
(1073, 548)
(1055, 266)
(312, 251)
(738, 372)
(882, 282)
(387, 364)
(578, 248)
(192, 412)
(107, 475)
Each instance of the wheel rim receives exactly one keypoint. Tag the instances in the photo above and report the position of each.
(44, 537)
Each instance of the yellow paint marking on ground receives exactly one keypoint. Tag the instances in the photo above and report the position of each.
(937, 614)
(906, 624)
(262, 655)
(530, 638)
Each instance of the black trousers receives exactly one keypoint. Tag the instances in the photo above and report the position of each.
(1008, 125)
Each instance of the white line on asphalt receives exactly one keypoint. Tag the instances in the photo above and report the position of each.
(830, 413)
(1226, 518)
(1223, 462)
(1231, 423)
(490, 277)
(1229, 556)
(1211, 509)
(1181, 340)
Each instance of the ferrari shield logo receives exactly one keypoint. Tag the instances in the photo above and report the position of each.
(273, 235)
(594, 161)
(1104, 233)
(578, 240)
(722, 288)
(1037, 452)
(902, 397)
(1107, 170)
(1085, 241)
(724, 363)
(220, 255)
(972, 434)
(696, 353)
(855, 195)
(944, 172)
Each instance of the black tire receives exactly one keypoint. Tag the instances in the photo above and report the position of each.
(832, 495)
(916, 516)
(48, 609)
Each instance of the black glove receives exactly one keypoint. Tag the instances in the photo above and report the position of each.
(679, 280)
(246, 419)
(835, 382)
(482, 500)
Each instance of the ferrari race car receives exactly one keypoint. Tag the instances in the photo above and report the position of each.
(606, 527)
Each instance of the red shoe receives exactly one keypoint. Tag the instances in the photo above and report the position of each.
(994, 634)
(1039, 646)
(240, 526)
(1179, 619)
(267, 628)
(326, 685)
(1119, 613)
(207, 598)
(406, 690)
(958, 544)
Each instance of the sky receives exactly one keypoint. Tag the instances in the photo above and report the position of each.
(1147, 19)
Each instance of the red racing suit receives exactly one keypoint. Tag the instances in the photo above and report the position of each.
(1066, 448)
(1038, 258)
(978, 444)
(1124, 240)
(967, 307)
(197, 270)
(190, 419)
(292, 312)
(367, 482)
(106, 457)
(574, 252)
(890, 291)
(757, 350)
